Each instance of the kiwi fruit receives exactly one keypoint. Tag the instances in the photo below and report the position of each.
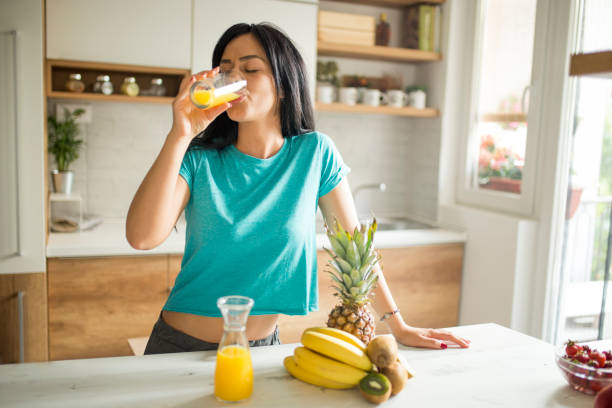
(382, 350)
(397, 375)
(375, 388)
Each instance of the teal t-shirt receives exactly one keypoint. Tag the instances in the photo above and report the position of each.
(251, 226)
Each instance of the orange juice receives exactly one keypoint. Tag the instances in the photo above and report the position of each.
(207, 97)
(233, 374)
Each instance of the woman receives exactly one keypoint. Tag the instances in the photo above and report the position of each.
(249, 175)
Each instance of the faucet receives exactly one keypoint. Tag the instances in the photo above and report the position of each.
(380, 186)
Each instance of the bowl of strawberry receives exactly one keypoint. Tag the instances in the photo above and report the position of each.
(587, 367)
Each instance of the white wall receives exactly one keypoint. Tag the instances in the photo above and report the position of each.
(498, 262)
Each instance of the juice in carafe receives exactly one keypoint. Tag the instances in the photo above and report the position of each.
(214, 91)
(234, 369)
(233, 374)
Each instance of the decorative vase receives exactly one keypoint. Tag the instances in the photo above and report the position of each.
(62, 181)
(503, 184)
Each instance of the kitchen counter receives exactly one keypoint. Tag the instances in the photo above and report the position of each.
(108, 239)
(502, 368)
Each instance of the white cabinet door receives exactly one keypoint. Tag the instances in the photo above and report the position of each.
(22, 228)
(137, 32)
(296, 19)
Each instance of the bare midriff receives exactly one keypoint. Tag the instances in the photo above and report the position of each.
(210, 329)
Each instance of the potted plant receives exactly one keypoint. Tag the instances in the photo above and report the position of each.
(327, 81)
(499, 168)
(64, 145)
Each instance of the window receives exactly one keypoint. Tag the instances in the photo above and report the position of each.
(500, 146)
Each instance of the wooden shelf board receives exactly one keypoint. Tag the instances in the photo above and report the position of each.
(383, 110)
(504, 117)
(116, 67)
(390, 3)
(115, 98)
(377, 52)
(595, 64)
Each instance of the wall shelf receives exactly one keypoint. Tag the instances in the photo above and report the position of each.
(504, 117)
(390, 3)
(58, 71)
(376, 52)
(383, 110)
(593, 64)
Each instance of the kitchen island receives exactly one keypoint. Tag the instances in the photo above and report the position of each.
(502, 368)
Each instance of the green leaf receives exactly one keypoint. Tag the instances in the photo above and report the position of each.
(338, 248)
(348, 282)
(355, 277)
(336, 279)
(359, 241)
(346, 267)
(352, 255)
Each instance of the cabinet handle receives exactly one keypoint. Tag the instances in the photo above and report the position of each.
(19, 250)
(20, 317)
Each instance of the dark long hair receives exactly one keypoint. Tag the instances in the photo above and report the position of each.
(290, 79)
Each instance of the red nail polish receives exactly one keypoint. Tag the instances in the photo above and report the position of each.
(443, 346)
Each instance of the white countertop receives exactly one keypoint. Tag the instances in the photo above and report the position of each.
(502, 368)
(108, 239)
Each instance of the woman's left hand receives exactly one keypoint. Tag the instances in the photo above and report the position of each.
(428, 338)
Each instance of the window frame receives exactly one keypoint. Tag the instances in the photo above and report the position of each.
(517, 204)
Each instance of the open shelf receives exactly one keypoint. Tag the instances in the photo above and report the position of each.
(594, 64)
(504, 117)
(383, 110)
(58, 71)
(390, 3)
(376, 52)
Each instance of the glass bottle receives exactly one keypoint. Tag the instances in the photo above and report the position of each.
(75, 84)
(234, 369)
(383, 30)
(157, 87)
(224, 87)
(103, 85)
(130, 87)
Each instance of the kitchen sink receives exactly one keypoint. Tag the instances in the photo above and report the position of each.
(391, 224)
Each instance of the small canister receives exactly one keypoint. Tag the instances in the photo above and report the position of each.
(103, 85)
(75, 84)
(130, 87)
(157, 87)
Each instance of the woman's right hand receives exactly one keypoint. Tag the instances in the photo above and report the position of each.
(188, 120)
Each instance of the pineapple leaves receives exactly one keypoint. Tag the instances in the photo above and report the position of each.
(337, 246)
(348, 282)
(352, 254)
(336, 279)
(359, 241)
(342, 292)
(355, 277)
(346, 267)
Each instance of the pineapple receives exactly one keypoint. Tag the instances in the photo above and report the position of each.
(352, 269)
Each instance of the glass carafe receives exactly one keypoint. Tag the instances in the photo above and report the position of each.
(234, 369)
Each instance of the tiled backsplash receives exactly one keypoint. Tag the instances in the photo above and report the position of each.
(123, 140)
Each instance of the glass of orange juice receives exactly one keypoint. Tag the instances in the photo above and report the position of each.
(224, 87)
(234, 369)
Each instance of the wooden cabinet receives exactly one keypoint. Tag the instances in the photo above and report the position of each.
(29, 289)
(138, 32)
(425, 282)
(96, 304)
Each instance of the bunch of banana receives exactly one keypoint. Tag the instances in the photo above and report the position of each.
(330, 358)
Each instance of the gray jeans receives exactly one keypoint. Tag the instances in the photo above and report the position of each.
(166, 339)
